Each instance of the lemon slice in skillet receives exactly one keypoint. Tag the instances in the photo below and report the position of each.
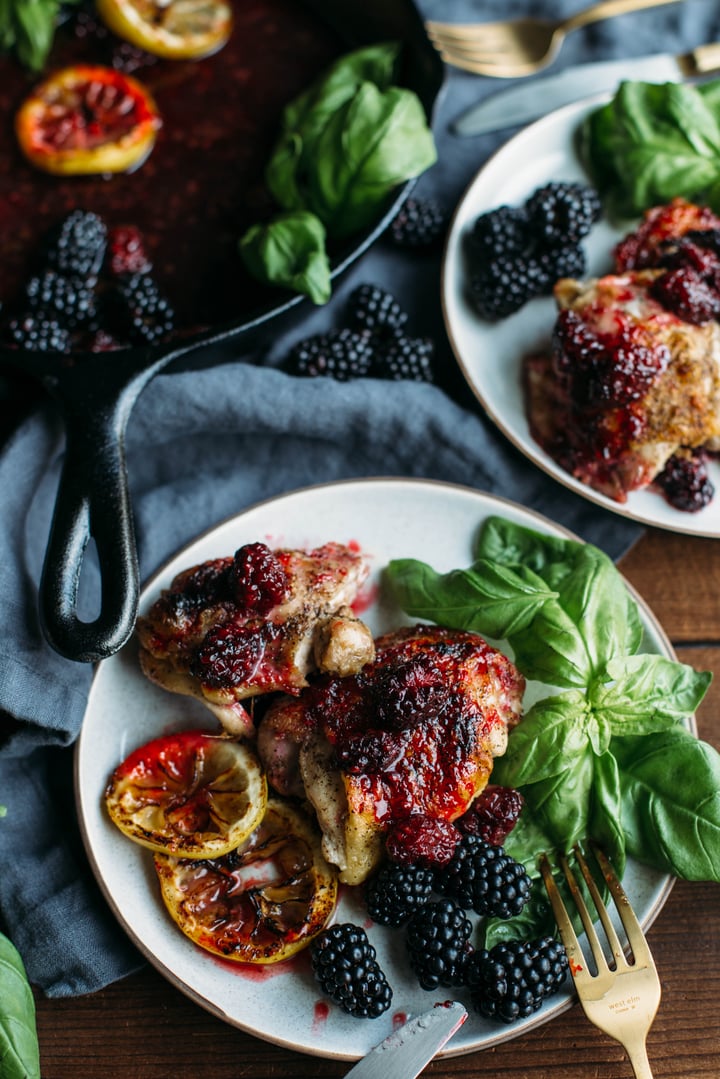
(87, 119)
(193, 794)
(260, 903)
(174, 29)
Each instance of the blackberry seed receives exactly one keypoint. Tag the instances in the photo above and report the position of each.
(438, 944)
(396, 892)
(339, 354)
(483, 878)
(346, 968)
(512, 980)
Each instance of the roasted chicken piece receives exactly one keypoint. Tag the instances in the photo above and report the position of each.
(414, 732)
(257, 622)
(626, 385)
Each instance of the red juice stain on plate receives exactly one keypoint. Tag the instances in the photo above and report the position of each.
(321, 1011)
(256, 972)
(365, 599)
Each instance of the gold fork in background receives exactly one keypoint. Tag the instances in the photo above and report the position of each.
(622, 996)
(515, 47)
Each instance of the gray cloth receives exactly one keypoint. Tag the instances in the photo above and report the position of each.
(203, 445)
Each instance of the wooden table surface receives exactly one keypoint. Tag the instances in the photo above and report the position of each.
(143, 1028)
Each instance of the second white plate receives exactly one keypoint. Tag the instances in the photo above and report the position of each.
(490, 354)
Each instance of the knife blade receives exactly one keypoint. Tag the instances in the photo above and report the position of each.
(533, 98)
(406, 1051)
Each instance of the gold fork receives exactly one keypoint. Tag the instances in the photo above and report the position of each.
(514, 47)
(622, 996)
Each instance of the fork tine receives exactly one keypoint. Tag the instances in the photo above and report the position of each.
(614, 942)
(564, 923)
(635, 935)
(585, 917)
(457, 31)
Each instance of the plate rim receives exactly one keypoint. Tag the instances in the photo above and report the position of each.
(503, 1034)
(541, 459)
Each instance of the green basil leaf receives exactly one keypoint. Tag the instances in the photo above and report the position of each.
(605, 818)
(349, 141)
(653, 142)
(19, 1052)
(670, 787)
(646, 693)
(486, 598)
(548, 740)
(289, 251)
(552, 649)
(501, 540)
(595, 597)
(375, 142)
(561, 803)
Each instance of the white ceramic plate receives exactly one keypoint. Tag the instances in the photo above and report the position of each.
(387, 518)
(490, 355)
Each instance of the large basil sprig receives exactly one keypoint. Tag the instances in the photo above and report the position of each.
(609, 756)
(347, 143)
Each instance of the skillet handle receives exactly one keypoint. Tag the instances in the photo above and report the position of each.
(92, 500)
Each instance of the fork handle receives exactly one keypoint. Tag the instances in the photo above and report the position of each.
(607, 10)
(637, 1055)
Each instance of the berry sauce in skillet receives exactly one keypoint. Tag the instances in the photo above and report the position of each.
(202, 185)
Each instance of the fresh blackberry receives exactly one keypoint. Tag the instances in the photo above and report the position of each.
(346, 968)
(560, 214)
(419, 223)
(77, 248)
(506, 285)
(498, 234)
(66, 299)
(512, 980)
(483, 878)
(396, 892)
(339, 354)
(438, 944)
(148, 315)
(38, 333)
(685, 482)
(375, 309)
(406, 358)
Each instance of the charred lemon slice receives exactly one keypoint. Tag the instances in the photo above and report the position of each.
(87, 119)
(175, 30)
(262, 902)
(193, 794)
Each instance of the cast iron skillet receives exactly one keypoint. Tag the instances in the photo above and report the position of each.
(96, 398)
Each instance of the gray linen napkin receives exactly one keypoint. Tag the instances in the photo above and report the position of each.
(203, 445)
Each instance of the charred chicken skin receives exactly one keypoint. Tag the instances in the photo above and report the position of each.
(258, 622)
(412, 733)
(633, 375)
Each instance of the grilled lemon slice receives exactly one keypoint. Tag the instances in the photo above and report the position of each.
(262, 902)
(87, 119)
(193, 794)
(175, 30)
